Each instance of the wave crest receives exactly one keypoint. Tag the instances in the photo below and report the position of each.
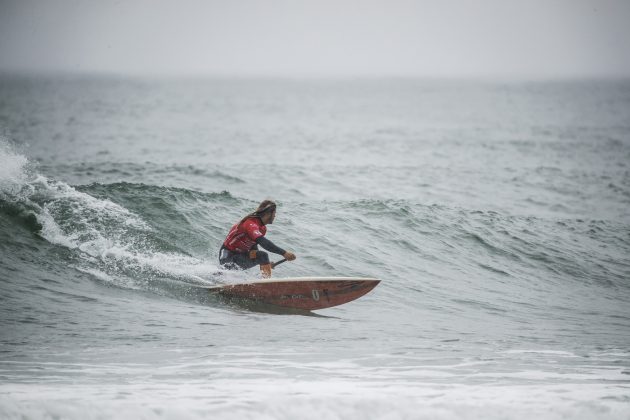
(106, 237)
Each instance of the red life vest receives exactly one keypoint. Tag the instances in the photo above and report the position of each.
(242, 237)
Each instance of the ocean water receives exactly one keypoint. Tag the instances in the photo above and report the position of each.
(497, 216)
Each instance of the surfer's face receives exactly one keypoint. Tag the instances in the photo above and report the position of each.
(268, 217)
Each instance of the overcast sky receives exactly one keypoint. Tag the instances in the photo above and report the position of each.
(440, 38)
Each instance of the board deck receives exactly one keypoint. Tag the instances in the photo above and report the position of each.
(307, 293)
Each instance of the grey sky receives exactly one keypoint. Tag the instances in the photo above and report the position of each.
(487, 38)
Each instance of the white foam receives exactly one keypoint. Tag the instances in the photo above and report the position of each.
(549, 352)
(283, 398)
(51, 230)
(103, 231)
(106, 278)
(13, 172)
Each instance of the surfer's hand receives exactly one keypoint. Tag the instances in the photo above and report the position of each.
(290, 256)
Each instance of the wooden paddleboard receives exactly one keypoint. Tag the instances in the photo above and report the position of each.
(307, 293)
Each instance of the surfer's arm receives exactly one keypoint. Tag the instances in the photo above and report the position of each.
(270, 246)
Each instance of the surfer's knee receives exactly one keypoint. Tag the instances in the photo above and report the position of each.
(262, 257)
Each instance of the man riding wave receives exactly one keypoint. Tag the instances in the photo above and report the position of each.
(240, 247)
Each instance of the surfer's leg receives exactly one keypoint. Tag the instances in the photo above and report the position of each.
(226, 259)
(262, 259)
(243, 261)
(234, 261)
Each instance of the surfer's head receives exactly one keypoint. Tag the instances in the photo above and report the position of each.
(265, 207)
(266, 211)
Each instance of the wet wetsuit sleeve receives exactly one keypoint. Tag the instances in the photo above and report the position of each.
(270, 246)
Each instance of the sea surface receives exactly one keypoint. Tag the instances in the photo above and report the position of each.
(496, 214)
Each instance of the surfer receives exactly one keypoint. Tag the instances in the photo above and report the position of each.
(240, 247)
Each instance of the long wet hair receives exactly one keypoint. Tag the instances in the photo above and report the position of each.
(265, 206)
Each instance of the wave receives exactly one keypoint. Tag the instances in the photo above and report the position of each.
(522, 247)
(111, 242)
(143, 236)
(138, 171)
